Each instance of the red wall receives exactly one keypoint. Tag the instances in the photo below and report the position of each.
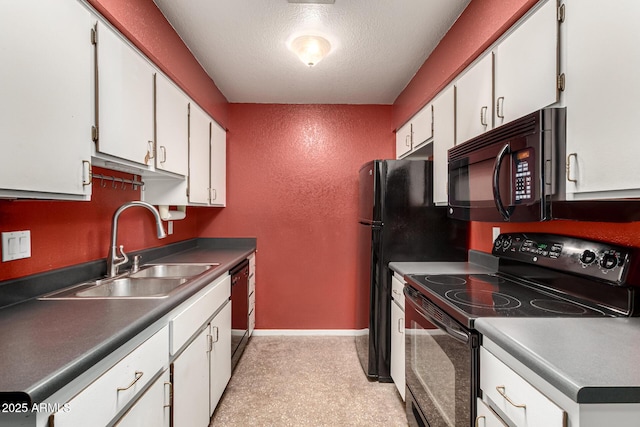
(66, 233)
(143, 23)
(293, 184)
(481, 23)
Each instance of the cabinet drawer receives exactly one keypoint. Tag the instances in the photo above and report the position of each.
(186, 323)
(397, 293)
(252, 273)
(98, 403)
(514, 397)
(153, 408)
(486, 417)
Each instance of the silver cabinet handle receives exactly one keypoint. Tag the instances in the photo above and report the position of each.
(170, 394)
(164, 153)
(138, 375)
(501, 391)
(575, 156)
(88, 175)
(407, 140)
(481, 417)
(401, 325)
(483, 115)
(500, 107)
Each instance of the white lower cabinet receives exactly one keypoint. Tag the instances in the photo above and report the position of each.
(514, 398)
(397, 335)
(153, 409)
(486, 417)
(102, 400)
(190, 373)
(201, 372)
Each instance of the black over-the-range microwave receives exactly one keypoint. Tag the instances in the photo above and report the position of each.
(515, 172)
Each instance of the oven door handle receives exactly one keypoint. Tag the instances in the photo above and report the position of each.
(506, 213)
(415, 304)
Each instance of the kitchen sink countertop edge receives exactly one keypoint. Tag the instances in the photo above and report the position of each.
(46, 344)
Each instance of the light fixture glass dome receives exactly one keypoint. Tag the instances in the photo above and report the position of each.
(310, 49)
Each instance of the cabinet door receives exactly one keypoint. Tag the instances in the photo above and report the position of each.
(474, 100)
(199, 155)
(444, 137)
(125, 99)
(218, 165)
(526, 65)
(152, 409)
(403, 140)
(602, 92)
(422, 126)
(172, 126)
(190, 372)
(486, 417)
(46, 98)
(219, 355)
(397, 348)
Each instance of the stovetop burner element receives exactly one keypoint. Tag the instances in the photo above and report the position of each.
(558, 306)
(483, 299)
(445, 280)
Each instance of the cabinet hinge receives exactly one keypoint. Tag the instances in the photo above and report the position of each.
(209, 343)
(94, 36)
(561, 13)
(94, 133)
(561, 82)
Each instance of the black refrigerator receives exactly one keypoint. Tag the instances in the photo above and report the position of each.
(397, 221)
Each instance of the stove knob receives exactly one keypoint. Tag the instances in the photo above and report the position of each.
(609, 261)
(587, 257)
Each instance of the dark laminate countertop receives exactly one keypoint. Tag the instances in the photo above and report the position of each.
(48, 343)
(590, 360)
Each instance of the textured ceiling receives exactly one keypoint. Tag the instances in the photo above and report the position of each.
(377, 46)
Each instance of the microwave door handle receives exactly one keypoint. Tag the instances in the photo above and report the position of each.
(496, 182)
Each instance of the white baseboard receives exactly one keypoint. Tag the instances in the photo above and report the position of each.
(309, 332)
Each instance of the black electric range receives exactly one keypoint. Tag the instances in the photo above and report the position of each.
(539, 275)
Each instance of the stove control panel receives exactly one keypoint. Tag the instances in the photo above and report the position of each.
(588, 258)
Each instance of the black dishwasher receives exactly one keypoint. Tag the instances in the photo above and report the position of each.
(239, 310)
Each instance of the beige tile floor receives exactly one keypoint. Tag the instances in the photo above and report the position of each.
(306, 381)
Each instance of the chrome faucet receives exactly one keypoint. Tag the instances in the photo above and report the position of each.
(113, 260)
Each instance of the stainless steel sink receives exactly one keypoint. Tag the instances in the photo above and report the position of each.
(128, 287)
(172, 270)
(151, 281)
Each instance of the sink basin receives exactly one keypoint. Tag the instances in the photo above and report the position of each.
(172, 270)
(151, 281)
(128, 287)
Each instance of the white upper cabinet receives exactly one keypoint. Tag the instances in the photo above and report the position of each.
(444, 137)
(199, 155)
(403, 140)
(474, 100)
(46, 99)
(125, 100)
(526, 66)
(218, 192)
(172, 127)
(601, 95)
(415, 133)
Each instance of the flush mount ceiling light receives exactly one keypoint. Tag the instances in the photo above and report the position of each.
(310, 49)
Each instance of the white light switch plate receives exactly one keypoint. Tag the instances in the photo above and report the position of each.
(16, 245)
(495, 233)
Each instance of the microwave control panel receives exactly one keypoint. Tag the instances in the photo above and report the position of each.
(523, 179)
(588, 258)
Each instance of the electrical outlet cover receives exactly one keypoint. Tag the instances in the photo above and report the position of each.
(16, 245)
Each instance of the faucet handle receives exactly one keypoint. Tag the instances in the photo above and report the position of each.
(136, 263)
(124, 259)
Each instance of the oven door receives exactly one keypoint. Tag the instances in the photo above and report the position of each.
(441, 366)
